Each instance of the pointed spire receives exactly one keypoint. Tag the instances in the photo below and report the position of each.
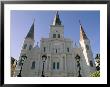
(82, 33)
(31, 32)
(56, 19)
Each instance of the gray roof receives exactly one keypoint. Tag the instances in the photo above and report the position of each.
(57, 19)
(31, 32)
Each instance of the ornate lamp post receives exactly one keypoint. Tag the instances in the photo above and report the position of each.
(97, 59)
(23, 57)
(44, 57)
(78, 64)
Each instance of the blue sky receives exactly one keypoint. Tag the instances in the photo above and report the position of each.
(21, 22)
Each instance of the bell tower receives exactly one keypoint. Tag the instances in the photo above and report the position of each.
(56, 29)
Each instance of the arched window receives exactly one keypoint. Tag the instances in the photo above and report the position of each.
(54, 35)
(57, 65)
(56, 50)
(58, 35)
(44, 49)
(91, 63)
(33, 65)
(25, 45)
(30, 47)
(53, 65)
(67, 49)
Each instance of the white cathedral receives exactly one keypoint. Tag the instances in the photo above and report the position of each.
(56, 56)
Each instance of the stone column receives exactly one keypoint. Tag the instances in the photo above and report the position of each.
(65, 65)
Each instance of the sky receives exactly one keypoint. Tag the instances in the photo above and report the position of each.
(21, 21)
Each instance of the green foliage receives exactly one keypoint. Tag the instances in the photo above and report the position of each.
(95, 74)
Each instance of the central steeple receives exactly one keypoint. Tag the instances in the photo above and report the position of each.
(56, 29)
(56, 19)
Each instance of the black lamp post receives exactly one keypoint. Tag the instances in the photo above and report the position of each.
(44, 57)
(78, 64)
(23, 57)
(97, 59)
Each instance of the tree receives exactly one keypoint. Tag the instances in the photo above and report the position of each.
(95, 74)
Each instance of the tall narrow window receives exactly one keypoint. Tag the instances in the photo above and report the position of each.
(91, 63)
(25, 45)
(44, 49)
(54, 35)
(33, 65)
(30, 47)
(58, 35)
(67, 49)
(56, 50)
(53, 65)
(57, 65)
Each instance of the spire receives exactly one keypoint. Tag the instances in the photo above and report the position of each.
(82, 33)
(31, 32)
(56, 19)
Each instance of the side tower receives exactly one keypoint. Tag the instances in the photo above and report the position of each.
(26, 48)
(89, 64)
(28, 42)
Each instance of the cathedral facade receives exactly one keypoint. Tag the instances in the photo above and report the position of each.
(56, 56)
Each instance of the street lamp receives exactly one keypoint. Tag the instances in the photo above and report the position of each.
(23, 57)
(97, 59)
(44, 57)
(78, 64)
